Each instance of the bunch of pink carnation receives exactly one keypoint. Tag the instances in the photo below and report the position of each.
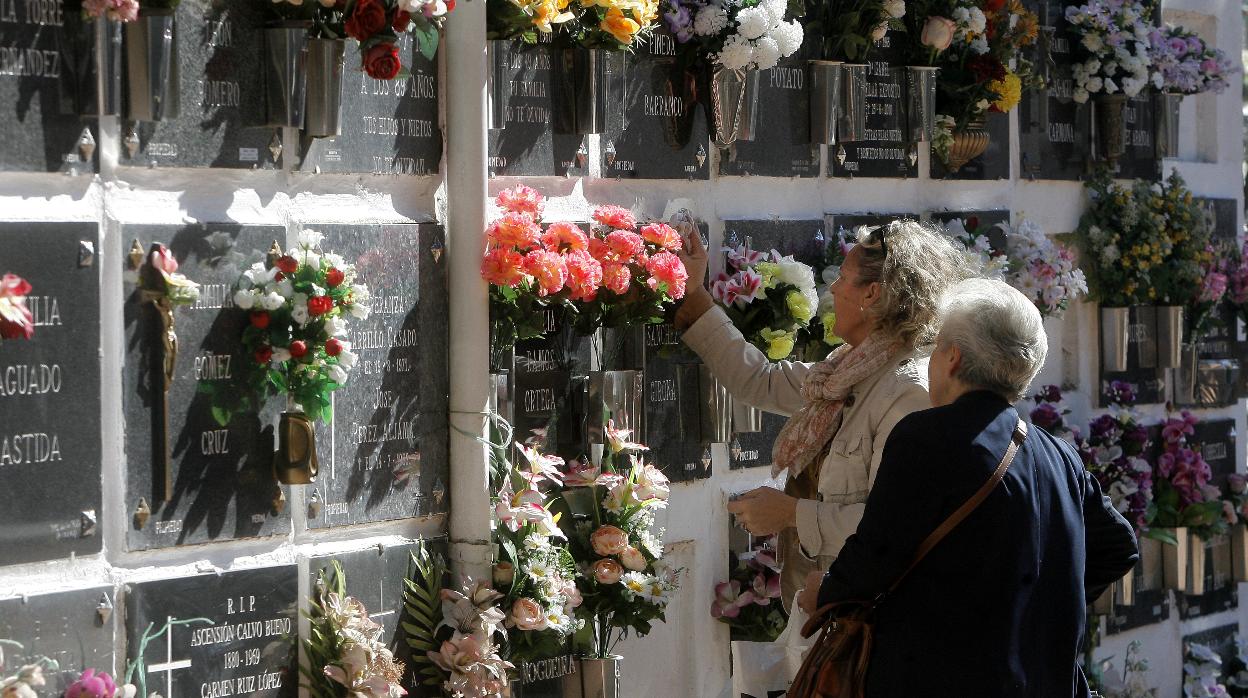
(116, 10)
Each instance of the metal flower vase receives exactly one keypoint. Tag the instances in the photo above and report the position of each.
(598, 678)
(323, 115)
(851, 122)
(1239, 552)
(285, 74)
(108, 72)
(716, 407)
(89, 84)
(497, 81)
(152, 66)
(295, 462)
(746, 419)
(618, 394)
(734, 105)
(968, 144)
(825, 96)
(1166, 112)
(1169, 336)
(1108, 126)
(1115, 329)
(582, 95)
(920, 102)
(1183, 564)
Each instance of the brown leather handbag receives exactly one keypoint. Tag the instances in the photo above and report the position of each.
(836, 664)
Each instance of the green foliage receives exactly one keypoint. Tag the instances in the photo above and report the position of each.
(422, 607)
(323, 646)
(844, 27)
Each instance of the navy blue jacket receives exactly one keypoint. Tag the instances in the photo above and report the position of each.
(996, 610)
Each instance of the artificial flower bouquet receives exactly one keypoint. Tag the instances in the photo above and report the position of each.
(617, 273)
(596, 24)
(378, 25)
(848, 29)
(1202, 672)
(16, 320)
(1217, 262)
(118, 10)
(980, 255)
(346, 654)
(1051, 413)
(1183, 63)
(818, 339)
(734, 34)
(1121, 237)
(1043, 269)
(1111, 47)
(749, 602)
(768, 296)
(160, 280)
(1237, 281)
(1115, 453)
(1185, 242)
(1182, 495)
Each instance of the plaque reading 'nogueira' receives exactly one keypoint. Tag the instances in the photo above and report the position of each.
(388, 126)
(221, 123)
(1054, 130)
(662, 134)
(780, 147)
(246, 644)
(529, 145)
(222, 476)
(47, 87)
(388, 450)
(72, 628)
(885, 152)
(50, 396)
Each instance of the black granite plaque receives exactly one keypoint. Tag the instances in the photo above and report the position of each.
(1217, 445)
(673, 415)
(663, 133)
(388, 449)
(221, 123)
(849, 222)
(248, 647)
(72, 628)
(544, 678)
(528, 145)
(549, 385)
(781, 147)
(388, 126)
(1221, 591)
(994, 163)
(223, 484)
(1151, 606)
(989, 222)
(1149, 383)
(1140, 160)
(47, 87)
(885, 152)
(50, 396)
(1223, 218)
(1221, 640)
(1054, 130)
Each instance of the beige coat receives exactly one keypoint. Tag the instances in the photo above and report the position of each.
(872, 409)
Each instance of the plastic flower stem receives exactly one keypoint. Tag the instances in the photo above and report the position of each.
(138, 664)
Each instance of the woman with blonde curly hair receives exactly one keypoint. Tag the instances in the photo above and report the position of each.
(841, 409)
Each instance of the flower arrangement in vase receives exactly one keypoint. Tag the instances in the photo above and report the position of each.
(749, 602)
(848, 29)
(817, 339)
(1202, 672)
(1121, 237)
(16, 320)
(615, 25)
(1186, 64)
(113, 10)
(1182, 495)
(616, 274)
(1043, 269)
(1115, 452)
(379, 25)
(299, 305)
(768, 296)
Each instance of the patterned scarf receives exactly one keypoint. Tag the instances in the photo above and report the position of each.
(806, 433)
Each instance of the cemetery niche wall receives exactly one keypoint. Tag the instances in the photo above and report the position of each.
(72, 628)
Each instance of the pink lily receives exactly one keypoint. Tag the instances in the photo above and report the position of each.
(729, 600)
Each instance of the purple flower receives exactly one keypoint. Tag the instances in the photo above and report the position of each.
(1121, 392)
(680, 21)
(92, 685)
(1046, 416)
(1049, 393)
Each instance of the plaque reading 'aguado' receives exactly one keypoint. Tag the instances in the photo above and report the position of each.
(384, 456)
(222, 481)
(781, 146)
(388, 126)
(528, 145)
(1053, 128)
(72, 628)
(50, 396)
(247, 647)
(884, 153)
(47, 87)
(221, 123)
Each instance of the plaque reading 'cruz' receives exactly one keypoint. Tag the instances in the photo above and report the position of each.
(223, 485)
(388, 126)
(529, 146)
(50, 396)
(780, 147)
(220, 59)
(384, 456)
(247, 647)
(884, 153)
(1053, 128)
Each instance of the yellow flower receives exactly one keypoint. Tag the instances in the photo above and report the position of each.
(1009, 91)
(799, 306)
(548, 12)
(770, 272)
(779, 343)
(622, 28)
(829, 337)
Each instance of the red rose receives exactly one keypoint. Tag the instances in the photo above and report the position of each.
(333, 347)
(402, 18)
(298, 348)
(287, 264)
(993, 5)
(260, 319)
(334, 276)
(263, 354)
(382, 62)
(368, 17)
(986, 68)
(972, 223)
(450, 6)
(320, 305)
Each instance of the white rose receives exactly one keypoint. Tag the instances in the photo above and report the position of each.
(245, 299)
(360, 293)
(310, 258)
(336, 260)
(879, 31)
(283, 288)
(309, 238)
(337, 375)
(335, 327)
(1081, 95)
(299, 309)
(1110, 86)
(272, 301)
(347, 358)
(1094, 84)
(280, 354)
(360, 311)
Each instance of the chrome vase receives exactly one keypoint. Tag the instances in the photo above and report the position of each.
(615, 396)
(716, 406)
(920, 102)
(1115, 334)
(1169, 336)
(825, 92)
(323, 101)
(582, 95)
(108, 74)
(851, 124)
(597, 678)
(152, 66)
(1109, 126)
(734, 105)
(285, 74)
(1166, 110)
(746, 419)
(497, 81)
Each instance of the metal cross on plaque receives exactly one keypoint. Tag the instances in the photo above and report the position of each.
(151, 290)
(170, 664)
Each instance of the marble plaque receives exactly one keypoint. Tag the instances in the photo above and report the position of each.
(1140, 160)
(1222, 216)
(72, 628)
(50, 396)
(1151, 606)
(223, 485)
(528, 145)
(545, 677)
(1217, 445)
(47, 88)
(987, 219)
(1150, 383)
(1054, 130)
(885, 152)
(388, 126)
(222, 120)
(247, 647)
(994, 163)
(387, 444)
(673, 414)
(1221, 640)
(663, 131)
(549, 386)
(849, 222)
(781, 148)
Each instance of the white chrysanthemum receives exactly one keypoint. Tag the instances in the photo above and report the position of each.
(978, 23)
(753, 22)
(788, 36)
(710, 20)
(1092, 42)
(980, 45)
(737, 54)
(766, 53)
(347, 358)
(775, 10)
(246, 299)
(310, 238)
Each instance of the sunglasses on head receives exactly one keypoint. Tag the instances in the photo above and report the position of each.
(877, 236)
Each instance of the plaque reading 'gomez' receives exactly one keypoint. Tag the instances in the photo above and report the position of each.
(50, 396)
(47, 71)
(248, 647)
(222, 481)
(884, 153)
(388, 126)
(387, 456)
(663, 132)
(1054, 130)
(780, 147)
(72, 628)
(221, 123)
(529, 146)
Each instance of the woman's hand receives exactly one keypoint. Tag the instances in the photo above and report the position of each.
(764, 511)
(697, 300)
(808, 599)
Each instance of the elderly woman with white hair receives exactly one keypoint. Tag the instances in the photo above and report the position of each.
(841, 409)
(993, 605)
